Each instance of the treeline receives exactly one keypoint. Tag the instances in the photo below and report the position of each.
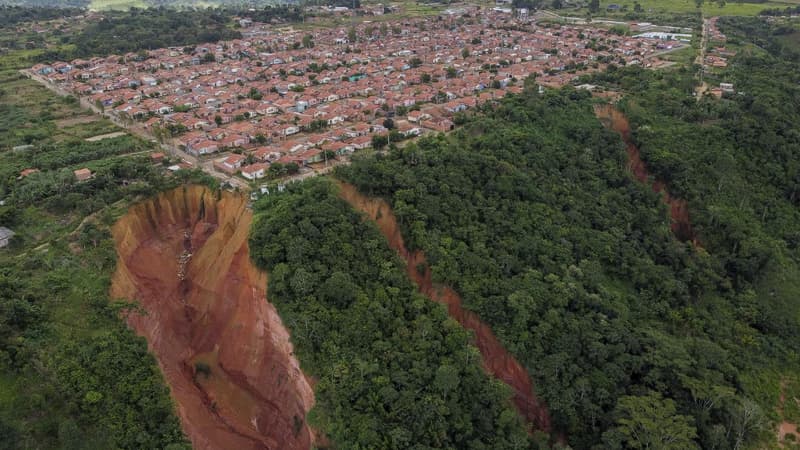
(633, 338)
(120, 32)
(47, 4)
(12, 15)
(394, 371)
(788, 11)
(146, 29)
(779, 39)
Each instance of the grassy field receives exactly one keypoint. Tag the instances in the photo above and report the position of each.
(102, 5)
(685, 55)
(30, 114)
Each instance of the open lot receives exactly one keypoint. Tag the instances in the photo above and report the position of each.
(101, 5)
(65, 123)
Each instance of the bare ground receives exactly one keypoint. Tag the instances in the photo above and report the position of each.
(63, 123)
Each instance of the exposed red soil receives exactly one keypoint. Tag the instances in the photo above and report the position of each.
(496, 359)
(183, 258)
(785, 428)
(678, 208)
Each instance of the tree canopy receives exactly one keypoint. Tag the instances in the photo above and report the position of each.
(529, 213)
(394, 371)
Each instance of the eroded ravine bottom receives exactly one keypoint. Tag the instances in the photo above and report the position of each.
(680, 224)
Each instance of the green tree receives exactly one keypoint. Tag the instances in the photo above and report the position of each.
(292, 168)
(651, 421)
(447, 379)
(276, 169)
(378, 141)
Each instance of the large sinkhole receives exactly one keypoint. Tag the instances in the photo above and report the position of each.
(183, 259)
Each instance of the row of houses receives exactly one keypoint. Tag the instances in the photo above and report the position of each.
(296, 94)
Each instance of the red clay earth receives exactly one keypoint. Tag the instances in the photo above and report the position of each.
(496, 359)
(785, 428)
(183, 258)
(678, 208)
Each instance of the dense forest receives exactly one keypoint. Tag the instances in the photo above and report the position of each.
(147, 29)
(119, 32)
(633, 338)
(11, 15)
(394, 371)
(737, 159)
(133, 30)
(788, 11)
(564, 255)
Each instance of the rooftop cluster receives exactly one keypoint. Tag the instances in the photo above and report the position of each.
(289, 96)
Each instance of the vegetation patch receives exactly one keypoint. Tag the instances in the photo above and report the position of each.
(394, 371)
(573, 264)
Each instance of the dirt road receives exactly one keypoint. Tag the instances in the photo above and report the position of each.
(700, 60)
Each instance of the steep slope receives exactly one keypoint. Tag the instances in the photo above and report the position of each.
(496, 358)
(183, 257)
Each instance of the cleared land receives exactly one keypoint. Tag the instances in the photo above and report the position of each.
(100, 5)
(65, 123)
(105, 136)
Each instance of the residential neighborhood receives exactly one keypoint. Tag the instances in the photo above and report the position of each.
(290, 97)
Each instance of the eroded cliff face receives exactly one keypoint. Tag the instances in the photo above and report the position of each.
(183, 258)
(496, 359)
(678, 208)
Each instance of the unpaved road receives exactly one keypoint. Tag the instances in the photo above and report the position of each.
(701, 59)
(106, 136)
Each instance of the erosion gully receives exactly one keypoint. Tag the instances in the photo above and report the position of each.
(496, 359)
(680, 224)
(183, 258)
